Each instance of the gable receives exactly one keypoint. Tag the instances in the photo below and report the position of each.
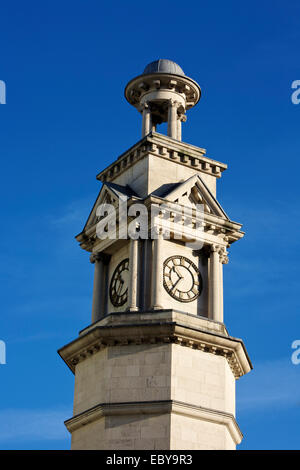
(194, 191)
(110, 193)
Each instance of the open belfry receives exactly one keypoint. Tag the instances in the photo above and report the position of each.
(156, 367)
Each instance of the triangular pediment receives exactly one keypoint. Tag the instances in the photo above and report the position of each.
(194, 191)
(110, 193)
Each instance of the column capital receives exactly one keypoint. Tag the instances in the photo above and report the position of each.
(221, 250)
(174, 103)
(99, 257)
(223, 256)
(144, 106)
(158, 232)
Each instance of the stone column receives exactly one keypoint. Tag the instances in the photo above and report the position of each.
(146, 274)
(157, 270)
(221, 306)
(214, 284)
(172, 119)
(98, 307)
(179, 128)
(181, 119)
(133, 275)
(223, 260)
(147, 125)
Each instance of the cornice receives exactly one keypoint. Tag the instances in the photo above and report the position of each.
(156, 407)
(167, 148)
(215, 229)
(181, 85)
(142, 332)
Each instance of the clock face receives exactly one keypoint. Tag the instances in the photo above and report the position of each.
(118, 290)
(182, 279)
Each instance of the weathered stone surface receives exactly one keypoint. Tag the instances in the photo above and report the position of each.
(156, 369)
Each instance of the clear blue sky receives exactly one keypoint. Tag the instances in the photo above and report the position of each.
(66, 64)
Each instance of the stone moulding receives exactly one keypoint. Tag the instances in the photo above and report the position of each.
(156, 407)
(101, 337)
(138, 89)
(215, 229)
(163, 147)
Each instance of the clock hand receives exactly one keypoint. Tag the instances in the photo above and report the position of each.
(121, 281)
(177, 272)
(179, 279)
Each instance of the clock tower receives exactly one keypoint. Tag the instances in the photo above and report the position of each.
(156, 367)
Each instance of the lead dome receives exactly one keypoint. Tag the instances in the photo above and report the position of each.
(163, 66)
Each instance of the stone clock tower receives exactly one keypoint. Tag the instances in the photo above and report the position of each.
(156, 368)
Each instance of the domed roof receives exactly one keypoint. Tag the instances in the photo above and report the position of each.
(163, 66)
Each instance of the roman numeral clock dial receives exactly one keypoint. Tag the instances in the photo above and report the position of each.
(118, 290)
(182, 279)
